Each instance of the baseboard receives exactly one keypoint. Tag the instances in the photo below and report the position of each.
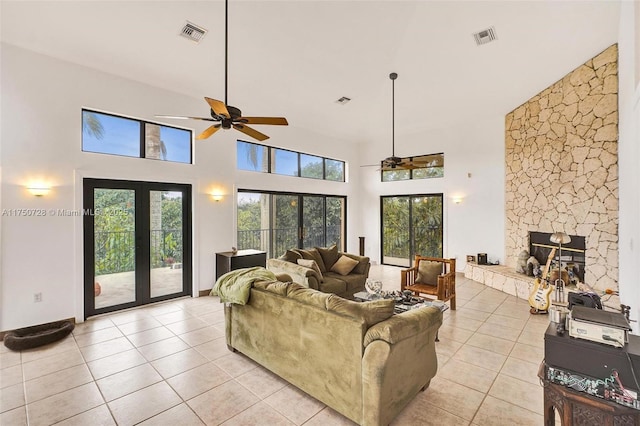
(2, 333)
(204, 293)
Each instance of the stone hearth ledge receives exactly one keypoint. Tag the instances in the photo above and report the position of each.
(502, 278)
(505, 279)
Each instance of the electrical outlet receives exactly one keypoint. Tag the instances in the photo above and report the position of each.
(37, 297)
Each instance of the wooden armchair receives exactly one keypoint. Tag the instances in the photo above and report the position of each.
(433, 276)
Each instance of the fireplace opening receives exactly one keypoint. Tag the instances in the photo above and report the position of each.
(573, 253)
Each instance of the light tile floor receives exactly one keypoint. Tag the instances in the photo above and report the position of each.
(168, 364)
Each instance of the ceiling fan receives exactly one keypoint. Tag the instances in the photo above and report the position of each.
(393, 162)
(226, 115)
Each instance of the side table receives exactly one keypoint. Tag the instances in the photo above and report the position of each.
(227, 261)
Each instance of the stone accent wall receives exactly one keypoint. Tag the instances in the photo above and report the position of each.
(562, 166)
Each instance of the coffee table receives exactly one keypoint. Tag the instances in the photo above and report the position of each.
(364, 296)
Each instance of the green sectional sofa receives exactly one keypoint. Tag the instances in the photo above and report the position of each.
(358, 358)
(332, 274)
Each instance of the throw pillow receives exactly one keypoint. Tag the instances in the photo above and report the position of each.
(428, 272)
(313, 254)
(308, 263)
(291, 256)
(371, 312)
(344, 265)
(329, 255)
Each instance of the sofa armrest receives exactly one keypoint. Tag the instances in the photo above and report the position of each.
(298, 273)
(405, 325)
(399, 360)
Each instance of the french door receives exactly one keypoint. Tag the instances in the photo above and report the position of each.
(137, 243)
(411, 225)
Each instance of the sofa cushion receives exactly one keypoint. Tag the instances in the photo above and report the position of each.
(363, 263)
(291, 256)
(329, 255)
(428, 272)
(308, 263)
(344, 265)
(313, 254)
(308, 296)
(370, 312)
(333, 285)
(354, 281)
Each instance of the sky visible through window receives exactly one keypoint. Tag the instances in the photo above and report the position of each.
(121, 136)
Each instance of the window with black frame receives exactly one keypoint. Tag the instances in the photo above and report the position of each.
(417, 167)
(266, 159)
(105, 133)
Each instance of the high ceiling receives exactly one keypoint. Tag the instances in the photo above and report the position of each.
(296, 58)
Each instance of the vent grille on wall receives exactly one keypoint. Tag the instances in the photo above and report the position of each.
(485, 36)
(193, 32)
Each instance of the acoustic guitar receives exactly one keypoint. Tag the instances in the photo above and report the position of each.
(540, 297)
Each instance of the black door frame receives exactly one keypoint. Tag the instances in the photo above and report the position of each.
(142, 239)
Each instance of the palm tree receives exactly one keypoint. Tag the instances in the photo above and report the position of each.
(156, 147)
(92, 125)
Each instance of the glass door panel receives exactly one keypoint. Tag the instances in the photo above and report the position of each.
(114, 247)
(426, 217)
(276, 222)
(166, 242)
(395, 231)
(285, 227)
(411, 225)
(335, 212)
(313, 219)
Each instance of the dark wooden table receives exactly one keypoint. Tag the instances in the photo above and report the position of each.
(579, 408)
(228, 261)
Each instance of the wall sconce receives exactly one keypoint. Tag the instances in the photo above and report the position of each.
(39, 189)
(216, 196)
(457, 200)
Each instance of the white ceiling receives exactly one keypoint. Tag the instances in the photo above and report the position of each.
(296, 58)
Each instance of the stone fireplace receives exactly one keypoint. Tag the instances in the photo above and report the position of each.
(573, 258)
(561, 152)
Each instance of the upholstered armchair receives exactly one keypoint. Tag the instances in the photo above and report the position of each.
(432, 276)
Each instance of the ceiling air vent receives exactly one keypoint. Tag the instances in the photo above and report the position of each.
(485, 36)
(193, 32)
(343, 100)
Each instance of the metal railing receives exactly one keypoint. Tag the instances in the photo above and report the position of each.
(276, 241)
(115, 250)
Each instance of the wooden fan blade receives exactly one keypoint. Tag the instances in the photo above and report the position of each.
(275, 121)
(218, 107)
(177, 117)
(251, 132)
(208, 132)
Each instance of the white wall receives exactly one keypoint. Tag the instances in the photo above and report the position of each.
(41, 106)
(477, 223)
(629, 158)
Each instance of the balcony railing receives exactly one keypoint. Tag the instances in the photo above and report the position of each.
(115, 250)
(276, 241)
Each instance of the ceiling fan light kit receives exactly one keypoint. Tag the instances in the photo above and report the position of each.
(226, 115)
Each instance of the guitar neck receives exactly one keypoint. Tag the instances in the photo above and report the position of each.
(546, 267)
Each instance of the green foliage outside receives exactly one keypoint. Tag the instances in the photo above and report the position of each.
(114, 231)
(412, 225)
(258, 211)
